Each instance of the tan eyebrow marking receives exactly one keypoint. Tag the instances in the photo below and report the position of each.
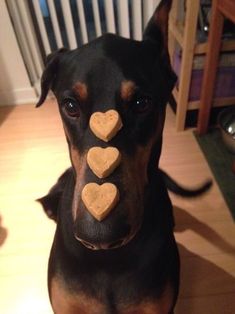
(127, 89)
(80, 90)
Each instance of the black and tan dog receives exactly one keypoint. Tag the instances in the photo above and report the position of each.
(128, 262)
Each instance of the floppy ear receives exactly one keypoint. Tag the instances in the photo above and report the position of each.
(51, 201)
(157, 28)
(49, 74)
(156, 32)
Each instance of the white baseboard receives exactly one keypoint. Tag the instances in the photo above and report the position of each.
(18, 96)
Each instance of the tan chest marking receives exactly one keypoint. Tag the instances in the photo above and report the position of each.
(63, 302)
(147, 308)
(154, 306)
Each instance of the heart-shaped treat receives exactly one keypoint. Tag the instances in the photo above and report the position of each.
(105, 125)
(103, 161)
(100, 199)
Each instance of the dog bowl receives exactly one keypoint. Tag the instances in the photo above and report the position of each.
(226, 122)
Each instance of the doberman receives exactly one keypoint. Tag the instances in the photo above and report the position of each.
(128, 262)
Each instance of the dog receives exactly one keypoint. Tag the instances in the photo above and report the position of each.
(128, 262)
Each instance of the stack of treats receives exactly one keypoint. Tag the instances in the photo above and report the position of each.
(101, 199)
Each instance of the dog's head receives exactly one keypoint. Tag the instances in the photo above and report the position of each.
(135, 79)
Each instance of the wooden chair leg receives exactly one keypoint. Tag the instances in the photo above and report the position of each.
(187, 61)
(212, 56)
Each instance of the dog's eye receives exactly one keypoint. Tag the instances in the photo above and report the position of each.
(72, 108)
(142, 104)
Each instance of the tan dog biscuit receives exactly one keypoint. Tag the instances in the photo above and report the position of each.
(100, 199)
(105, 125)
(103, 161)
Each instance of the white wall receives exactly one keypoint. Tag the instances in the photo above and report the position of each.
(15, 87)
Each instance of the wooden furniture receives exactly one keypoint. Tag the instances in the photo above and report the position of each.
(221, 9)
(184, 33)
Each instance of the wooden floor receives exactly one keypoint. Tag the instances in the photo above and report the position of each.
(33, 153)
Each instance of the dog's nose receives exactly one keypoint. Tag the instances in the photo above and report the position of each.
(103, 246)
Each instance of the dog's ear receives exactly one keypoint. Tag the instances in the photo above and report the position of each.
(49, 73)
(157, 28)
(156, 32)
(51, 201)
(50, 204)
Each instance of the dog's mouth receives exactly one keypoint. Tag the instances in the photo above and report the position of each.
(108, 246)
(116, 230)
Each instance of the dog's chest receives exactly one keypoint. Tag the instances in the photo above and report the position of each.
(65, 302)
